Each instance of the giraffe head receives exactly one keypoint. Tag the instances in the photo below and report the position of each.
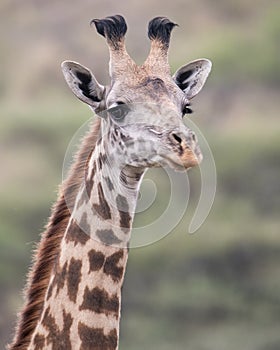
(143, 107)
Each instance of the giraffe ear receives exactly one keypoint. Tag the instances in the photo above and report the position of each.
(191, 77)
(83, 83)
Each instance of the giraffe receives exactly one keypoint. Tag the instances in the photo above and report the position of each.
(73, 294)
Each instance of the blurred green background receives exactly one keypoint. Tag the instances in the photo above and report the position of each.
(217, 289)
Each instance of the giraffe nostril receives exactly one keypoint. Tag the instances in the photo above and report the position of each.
(176, 138)
(180, 139)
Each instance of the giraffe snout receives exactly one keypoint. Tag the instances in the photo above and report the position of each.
(186, 147)
(179, 138)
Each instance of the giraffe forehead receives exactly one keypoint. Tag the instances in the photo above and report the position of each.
(142, 86)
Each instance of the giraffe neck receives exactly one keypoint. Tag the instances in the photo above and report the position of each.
(83, 299)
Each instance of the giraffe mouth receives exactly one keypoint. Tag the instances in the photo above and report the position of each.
(185, 159)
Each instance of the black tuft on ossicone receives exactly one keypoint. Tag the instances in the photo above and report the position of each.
(160, 29)
(113, 28)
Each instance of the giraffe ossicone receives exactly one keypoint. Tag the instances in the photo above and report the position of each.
(73, 296)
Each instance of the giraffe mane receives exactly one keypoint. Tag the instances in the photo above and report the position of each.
(46, 253)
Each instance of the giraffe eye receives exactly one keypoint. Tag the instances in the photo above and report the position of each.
(119, 112)
(187, 109)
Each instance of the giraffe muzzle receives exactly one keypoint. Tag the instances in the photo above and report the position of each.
(186, 150)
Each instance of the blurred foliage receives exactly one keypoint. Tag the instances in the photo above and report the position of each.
(217, 289)
(249, 53)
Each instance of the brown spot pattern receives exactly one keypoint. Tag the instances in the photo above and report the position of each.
(109, 183)
(99, 301)
(76, 234)
(39, 342)
(58, 280)
(95, 339)
(90, 181)
(96, 260)
(83, 200)
(48, 248)
(138, 176)
(102, 209)
(107, 237)
(111, 266)
(58, 339)
(101, 160)
(100, 164)
(73, 278)
(123, 178)
(123, 207)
